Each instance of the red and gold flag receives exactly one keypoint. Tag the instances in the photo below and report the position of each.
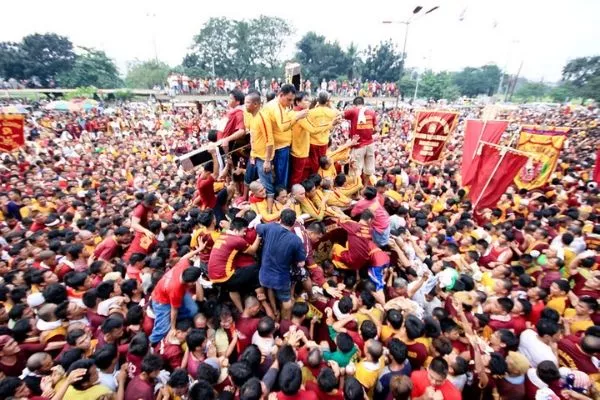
(545, 143)
(476, 131)
(11, 132)
(501, 165)
(432, 130)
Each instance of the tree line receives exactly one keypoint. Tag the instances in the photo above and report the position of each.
(252, 48)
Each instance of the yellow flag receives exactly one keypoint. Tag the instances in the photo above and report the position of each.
(540, 167)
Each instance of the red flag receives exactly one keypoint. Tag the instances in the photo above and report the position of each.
(432, 130)
(477, 130)
(502, 169)
(11, 132)
(597, 167)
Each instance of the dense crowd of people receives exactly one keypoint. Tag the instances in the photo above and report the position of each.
(308, 259)
(183, 84)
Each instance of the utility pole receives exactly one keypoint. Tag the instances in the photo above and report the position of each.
(407, 23)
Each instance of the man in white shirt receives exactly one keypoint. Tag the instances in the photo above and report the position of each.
(106, 362)
(541, 345)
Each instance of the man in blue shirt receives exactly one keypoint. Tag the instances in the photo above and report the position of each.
(282, 249)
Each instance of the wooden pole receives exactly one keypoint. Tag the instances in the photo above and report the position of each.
(487, 183)
(479, 139)
(504, 150)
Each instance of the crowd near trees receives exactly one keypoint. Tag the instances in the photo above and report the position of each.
(253, 48)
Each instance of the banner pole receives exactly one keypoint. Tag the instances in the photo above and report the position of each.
(479, 138)
(523, 153)
(504, 150)
(489, 180)
(418, 181)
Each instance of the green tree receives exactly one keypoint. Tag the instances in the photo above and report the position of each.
(320, 58)
(238, 49)
(532, 91)
(476, 81)
(407, 86)
(38, 57)
(267, 36)
(563, 92)
(438, 86)
(584, 74)
(356, 64)
(92, 68)
(213, 47)
(46, 56)
(147, 74)
(191, 66)
(82, 92)
(383, 62)
(12, 61)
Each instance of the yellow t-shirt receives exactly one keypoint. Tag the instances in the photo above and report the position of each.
(281, 120)
(91, 393)
(394, 195)
(45, 210)
(375, 313)
(262, 208)
(558, 303)
(328, 173)
(367, 373)
(387, 332)
(300, 141)
(353, 185)
(341, 154)
(261, 133)
(320, 117)
(577, 326)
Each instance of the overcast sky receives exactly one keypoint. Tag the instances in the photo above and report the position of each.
(544, 35)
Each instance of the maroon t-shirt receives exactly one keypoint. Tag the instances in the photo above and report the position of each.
(107, 249)
(235, 122)
(172, 354)
(220, 263)
(206, 192)
(95, 320)
(245, 328)
(285, 325)
(139, 389)
(142, 213)
(495, 325)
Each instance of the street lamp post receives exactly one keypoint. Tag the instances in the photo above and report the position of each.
(407, 23)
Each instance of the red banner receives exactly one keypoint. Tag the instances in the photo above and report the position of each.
(11, 132)
(596, 176)
(502, 168)
(477, 130)
(432, 131)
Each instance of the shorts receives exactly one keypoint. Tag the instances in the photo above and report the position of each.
(243, 279)
(376, 276)
(364, 159)
(283, 295)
